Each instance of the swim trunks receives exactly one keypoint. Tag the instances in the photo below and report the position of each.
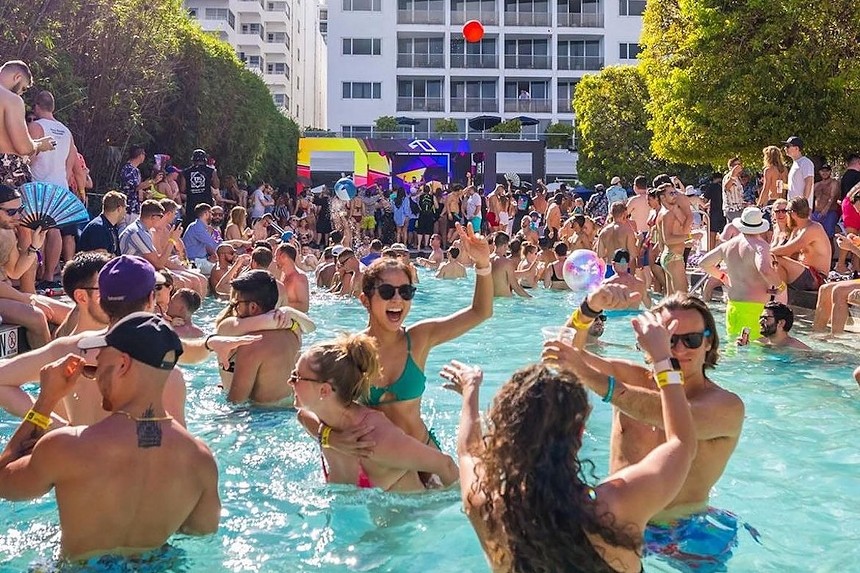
(740, 314)
(810, 279)
(492, 219)
(668, 256)
(699, 543)
(14, 171)
(476, 224)
(368, 223)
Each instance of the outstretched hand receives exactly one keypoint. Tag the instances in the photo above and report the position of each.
(461, 377)
(474, 245)
(654, 334)
(611, 296)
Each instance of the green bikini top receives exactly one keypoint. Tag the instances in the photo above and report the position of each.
(409, 386)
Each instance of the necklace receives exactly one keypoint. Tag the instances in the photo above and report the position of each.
(144, 419)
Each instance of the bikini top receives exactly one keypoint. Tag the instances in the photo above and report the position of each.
(554, 277)
(409, 385)
(363, 480)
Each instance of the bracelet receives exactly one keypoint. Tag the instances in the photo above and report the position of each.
(577, 322)
(611, 391)
(32, 249)
(37, 419)
(587, 311)
(325, 433)
(483, 271)
(669, 378)
(206, 342)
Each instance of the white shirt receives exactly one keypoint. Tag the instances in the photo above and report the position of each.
(257, 207)
(473, 206)
(801, 168)
(50, 166)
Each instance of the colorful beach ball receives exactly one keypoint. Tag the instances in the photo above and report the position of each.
(345, 189)
(473, 31)
(583, 270)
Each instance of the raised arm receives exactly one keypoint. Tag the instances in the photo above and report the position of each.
(396, 449)
(466, 381)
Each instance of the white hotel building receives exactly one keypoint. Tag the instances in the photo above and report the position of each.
(408, 58)
(282, 41)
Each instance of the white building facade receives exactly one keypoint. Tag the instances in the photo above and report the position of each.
(408, 58)
(281, 41)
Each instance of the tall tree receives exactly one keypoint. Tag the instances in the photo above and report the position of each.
(728, 77)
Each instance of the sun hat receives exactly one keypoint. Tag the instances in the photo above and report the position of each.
(752, 222)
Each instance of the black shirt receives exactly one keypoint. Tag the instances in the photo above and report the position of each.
(198, 187)
(100, 234)
(850, 178)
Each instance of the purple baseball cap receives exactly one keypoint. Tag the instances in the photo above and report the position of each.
(126, 278)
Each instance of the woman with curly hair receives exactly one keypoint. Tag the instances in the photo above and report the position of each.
(526, 488)
(329, 380)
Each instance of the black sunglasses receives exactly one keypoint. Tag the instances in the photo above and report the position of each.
(386, 291)
(780, 210)
(13, 212)
(691, 340)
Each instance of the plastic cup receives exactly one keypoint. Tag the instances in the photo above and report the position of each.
(562, 333)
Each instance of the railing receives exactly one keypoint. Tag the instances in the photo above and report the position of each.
(253, 32)
(474, 61)
(420, 17)
(530, 105)
(580, 62)
(564, 105)
(527, 19)
(527, 62)
(475, 104)
(485, 18)
(409, 135)
(420, 104)
(576, 20)
(414, 60)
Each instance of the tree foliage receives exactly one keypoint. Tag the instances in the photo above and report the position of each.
(129, 72)
(446, 125)
(612, 128)
(508, 127)
(559, 135)
(385, 124)
(728, 77)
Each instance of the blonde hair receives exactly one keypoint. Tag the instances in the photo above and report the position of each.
(773, 158)
(349, 363)
(238, 215)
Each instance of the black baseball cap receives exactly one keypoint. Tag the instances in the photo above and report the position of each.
(826, 167)
(8, 194)
(794, 140)
(144, 336)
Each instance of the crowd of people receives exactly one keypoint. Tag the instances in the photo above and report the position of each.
(106, 355)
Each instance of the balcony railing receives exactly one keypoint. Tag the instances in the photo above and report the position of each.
(527, 62)
(531, 105)
(526, 18)
(474, 61)
(420, 104)
(413, 60)
(576, 20)
(564, 104)
(485, 18)
(528, 134)
(474, 104)
(420, 17)
(580, 62)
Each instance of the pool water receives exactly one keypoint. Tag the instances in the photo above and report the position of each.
(794, 476)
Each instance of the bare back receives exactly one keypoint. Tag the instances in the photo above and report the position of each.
(742, 255)
(11, 119)
(817, 250)
(262, 369)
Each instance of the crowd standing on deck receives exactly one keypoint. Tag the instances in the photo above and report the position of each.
(134, 276)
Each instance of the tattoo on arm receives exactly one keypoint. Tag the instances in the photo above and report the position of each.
(25, 448)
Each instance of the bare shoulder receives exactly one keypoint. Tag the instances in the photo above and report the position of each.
(718, 398)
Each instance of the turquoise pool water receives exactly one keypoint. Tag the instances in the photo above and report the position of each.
(794, 476)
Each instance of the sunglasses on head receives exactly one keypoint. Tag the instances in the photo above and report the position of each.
(386, 291)
(691, 340)
(15, 211)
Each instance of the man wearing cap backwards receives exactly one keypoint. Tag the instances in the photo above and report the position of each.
(196, 183)
(126, 285)
(749, 277)
(617, 234)
(125, 484)
(801, 176)
(621, 268)
(828, 205)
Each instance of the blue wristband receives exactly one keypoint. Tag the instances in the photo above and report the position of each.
(611, 391)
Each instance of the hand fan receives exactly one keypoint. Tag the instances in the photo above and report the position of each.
(47, 205)
(514, 178)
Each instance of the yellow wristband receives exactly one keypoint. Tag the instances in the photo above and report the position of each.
(577, 322)
(37, 419)
(324, 436)
(669, 378)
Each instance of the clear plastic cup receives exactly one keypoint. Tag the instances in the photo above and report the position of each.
(562, 333)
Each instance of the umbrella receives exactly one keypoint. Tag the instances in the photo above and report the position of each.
(526, 120)
(484, 122)
(407, 121)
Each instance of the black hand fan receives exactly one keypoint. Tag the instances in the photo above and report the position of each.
(47, 205)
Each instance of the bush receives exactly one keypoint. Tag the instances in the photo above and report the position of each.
(559, 136)
(510, 128)
(385, 124)
(446, 125)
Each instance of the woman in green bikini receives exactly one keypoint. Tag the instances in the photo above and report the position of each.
(387, 293)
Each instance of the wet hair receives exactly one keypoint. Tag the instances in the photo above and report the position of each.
(453, 252)
(113, 200)
(262, 257)
(372, 276)
(150, 208)
(531, 462)
(560, 249)
(258, 286)
(190, 298)
(800, 207)
(289, 250)
(202, 208)
(348, 363)
(781, 312)
(82, 269)
(684, 301)
(515, 246)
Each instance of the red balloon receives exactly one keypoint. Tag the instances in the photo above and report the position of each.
(473, 31)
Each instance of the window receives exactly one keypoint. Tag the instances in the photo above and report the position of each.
(628, 51)
(419, 95)
(281, 100)
(255, 62)
(631, 7)
(220, 14)
(362, 90)
(192, 13)
(278, 68)
(298, 83)
(362, 46)
(527, 54)
(580, 55)
(565, 91)
(362, 5)
(256, 29)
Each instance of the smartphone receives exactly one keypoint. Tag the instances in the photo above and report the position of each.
(745, 336)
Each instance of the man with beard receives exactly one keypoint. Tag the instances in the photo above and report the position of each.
(226, 254)
(775, 322)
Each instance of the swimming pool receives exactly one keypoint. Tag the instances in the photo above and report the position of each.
(794, 475)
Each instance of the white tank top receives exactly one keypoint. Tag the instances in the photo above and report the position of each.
(50, 166)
